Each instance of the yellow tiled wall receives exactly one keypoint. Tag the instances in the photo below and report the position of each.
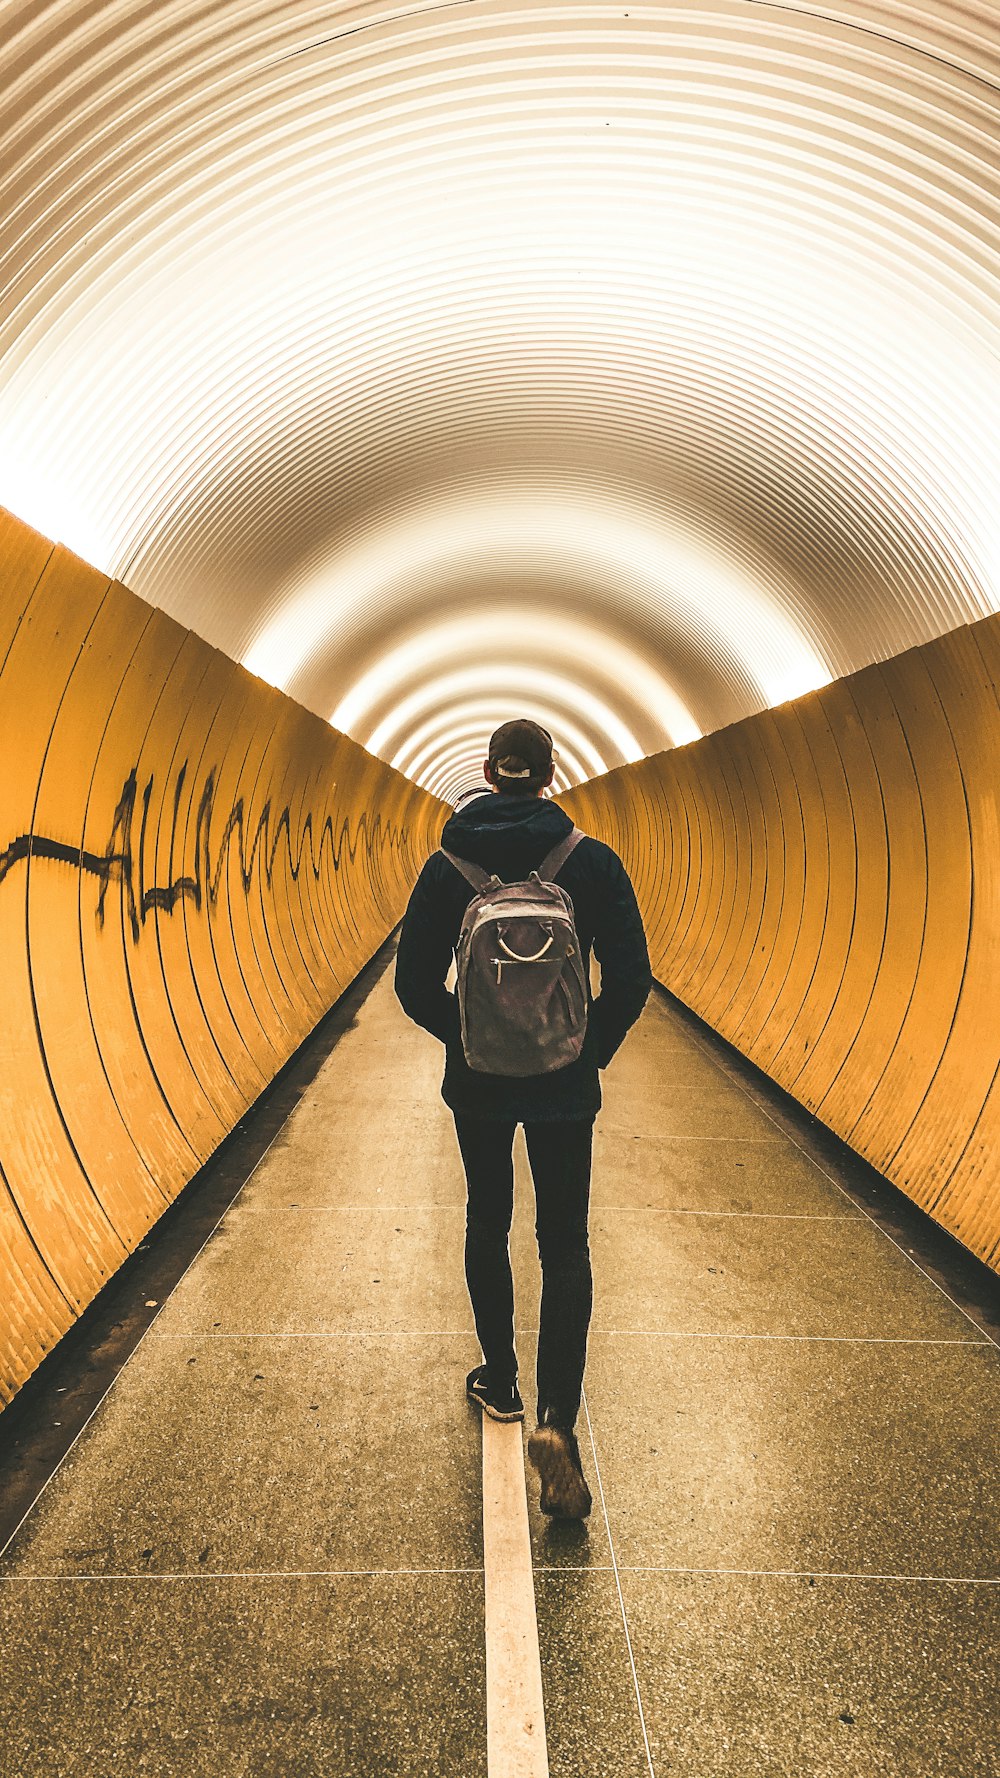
(192, 869)
(821, 883)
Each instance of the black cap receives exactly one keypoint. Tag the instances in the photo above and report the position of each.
(521, 754)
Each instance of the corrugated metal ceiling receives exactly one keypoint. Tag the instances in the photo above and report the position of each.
(631, 366)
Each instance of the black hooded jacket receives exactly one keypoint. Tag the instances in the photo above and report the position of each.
(511, 835)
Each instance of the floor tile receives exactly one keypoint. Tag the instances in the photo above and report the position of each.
(646, 1068)
(804, 1455)
(659, 1025)
(787, 1679)
(294, 1678)
(670, 1172)
(384, 1267)
(592, 1721)
(359, 1156)
(320, 1127)
(217, 1455)
(372, 1124)
(654, 1272)
(299, 1408)
(711, 1113)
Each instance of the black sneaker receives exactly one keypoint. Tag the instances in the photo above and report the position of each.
(556, 1456)
(499, 1404)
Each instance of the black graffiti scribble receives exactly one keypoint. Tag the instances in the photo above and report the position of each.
(123, 860)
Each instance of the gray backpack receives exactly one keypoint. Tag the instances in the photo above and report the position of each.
(522, 990)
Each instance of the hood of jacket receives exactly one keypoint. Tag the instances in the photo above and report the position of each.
(506, 834)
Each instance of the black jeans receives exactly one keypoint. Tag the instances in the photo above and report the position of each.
(560, 1157)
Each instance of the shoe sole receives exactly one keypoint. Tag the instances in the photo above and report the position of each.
(494, 1413)
(565, 1494)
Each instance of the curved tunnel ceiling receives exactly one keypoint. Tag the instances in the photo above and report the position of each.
(633, 367)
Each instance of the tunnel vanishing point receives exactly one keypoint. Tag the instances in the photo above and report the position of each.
(374, 372)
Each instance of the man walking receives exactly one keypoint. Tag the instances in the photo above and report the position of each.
(508, 832)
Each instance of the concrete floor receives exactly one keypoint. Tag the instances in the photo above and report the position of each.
(264, 1554)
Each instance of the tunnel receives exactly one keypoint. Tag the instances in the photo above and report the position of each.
(374, 374)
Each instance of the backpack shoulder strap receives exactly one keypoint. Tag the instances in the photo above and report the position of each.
(473, 873)
(553, 861)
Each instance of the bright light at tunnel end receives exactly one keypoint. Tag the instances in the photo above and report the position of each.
(579, 674)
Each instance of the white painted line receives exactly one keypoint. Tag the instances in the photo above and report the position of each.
(932, 1580)
(628, 1333)
(753, 1215)
(25, 1580)
(735, 1141)
(336, 1333)
(386, 1204)
(662, 1333)
(618, 1585)
(929, 1580)
(515, 1712)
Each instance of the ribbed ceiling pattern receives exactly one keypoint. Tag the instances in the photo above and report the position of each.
(633, 367)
